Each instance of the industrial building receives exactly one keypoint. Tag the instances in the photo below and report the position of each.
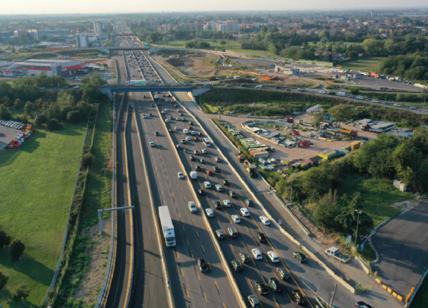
(49, 67)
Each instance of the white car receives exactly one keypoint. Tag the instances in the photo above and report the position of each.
(209, 211)
(207, 184)
(236, 219)
(264, 220)
(227, 203)
(152, 144)
(273, 256)
(244, 212)
(257, 254)
(192, 207)
(180, 175)
(204, 151)
(218, 187)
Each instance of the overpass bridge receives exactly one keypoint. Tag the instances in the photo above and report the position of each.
(114, 89)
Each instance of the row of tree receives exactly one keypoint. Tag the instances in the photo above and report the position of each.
(30, 100)
(411, 66)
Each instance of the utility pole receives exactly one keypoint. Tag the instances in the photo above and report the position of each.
(333, 294)
(356, 228)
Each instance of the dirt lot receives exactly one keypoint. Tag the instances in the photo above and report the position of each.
(6, 135)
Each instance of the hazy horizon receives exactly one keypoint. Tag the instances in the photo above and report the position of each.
(31, 7)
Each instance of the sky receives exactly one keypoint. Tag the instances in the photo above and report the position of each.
(120, 6)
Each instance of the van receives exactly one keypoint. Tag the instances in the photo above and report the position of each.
(193, 175)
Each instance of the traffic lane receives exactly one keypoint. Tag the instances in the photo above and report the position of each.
(263, 271)
(215, 282)
(149, 273)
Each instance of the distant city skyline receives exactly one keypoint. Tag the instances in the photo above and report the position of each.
(132, 6)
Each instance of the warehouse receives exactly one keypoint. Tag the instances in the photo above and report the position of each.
(50, 67)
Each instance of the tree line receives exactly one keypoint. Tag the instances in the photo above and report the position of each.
(43, 102)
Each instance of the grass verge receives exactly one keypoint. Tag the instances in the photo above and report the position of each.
(97, 195)
(370, 64)
(37, 183)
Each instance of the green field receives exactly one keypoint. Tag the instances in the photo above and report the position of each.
(366, 65)
(232, 45)
(377, 196)
(37, 184)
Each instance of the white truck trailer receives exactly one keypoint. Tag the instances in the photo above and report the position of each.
(168, 230)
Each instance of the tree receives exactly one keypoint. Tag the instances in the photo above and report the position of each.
(4, 113)
(3, 280)
(16, 250)
(21, 293)
(54, 124)
(326, 211)
(87, 160)
(4, 239)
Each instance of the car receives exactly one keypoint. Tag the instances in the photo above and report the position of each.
(227, 203)
(156, 133)
(262, 238)
(180, 175)
(226, 183)
(262, 288)
(220, 234)
(216, 169)
(253, 300)
(192, 158)
(232, 231)
(257, 254)
(192, 207)
(264, 220)
(361, 304)
(235, 219)
(217, 205)
(202, 161)
(201, 192)
(337, 254)
(244, 258)
(301, 257)
(244, 212)
(204, 267)
(218, 187)
(248, 202)
(198, 168)
(152, 144)
(217, 159)
(183, 141)
(207, 184)
(237, 266)
(204, 151)
(298, 297)
(232, 194)
(273, 256)
(275, 285)
(282, 273)
(209, 211)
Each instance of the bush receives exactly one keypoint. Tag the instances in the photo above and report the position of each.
(21, 293)
(3, 280)
(4, 239)
(16, 250)
(87, 160)
(54, 124)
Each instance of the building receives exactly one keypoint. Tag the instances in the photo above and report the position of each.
(98, 27)
(82, 40)
(50, 67)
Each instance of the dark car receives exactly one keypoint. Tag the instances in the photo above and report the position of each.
(201, 192)
(156, 133)
(282, 274)
(198, 168)
(202, 161)
(226, 183)
(361, 304)
(192, 158)
(275, 285)
(248, 202)
(232, 194)
(217, 205)
(237, 266)
(233, 232)
(203, 265)
(262, 288)
(220, 234)
(244, 258)
(261, 237)
(301, 257)
(298, 297)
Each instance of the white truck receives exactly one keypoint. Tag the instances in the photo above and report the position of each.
(168, 230)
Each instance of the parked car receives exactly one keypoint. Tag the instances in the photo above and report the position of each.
(236, 265)
(227, 203)
(264, 220)
(233, 232)
(220, 234)
(298, 297)
(262, 238)
(253, 301)
(244, 212)
(192, 207)
(262, 287)
(226, 183)
(180, 175)
(301, 257)
(275, 285)
(361, 304)
(207, 184)
(201, 192)
(204, 267)
(244, 258)
(209, 211)
(235, 219)
(217, 205)
(273, 256)
(282, 273)
(335, 253)
(218, 187)
(248, 202)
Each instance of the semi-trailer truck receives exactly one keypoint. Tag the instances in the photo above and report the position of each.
(168, 230)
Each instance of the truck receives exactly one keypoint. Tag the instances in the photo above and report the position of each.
(250, 168)
(335, 253)
(168, 230)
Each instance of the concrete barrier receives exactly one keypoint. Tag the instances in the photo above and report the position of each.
(161, 244)
(228, 271)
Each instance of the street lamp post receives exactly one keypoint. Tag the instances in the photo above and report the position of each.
(356, 228)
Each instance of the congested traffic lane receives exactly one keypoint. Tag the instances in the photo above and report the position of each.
(194, 289)
(247, 228)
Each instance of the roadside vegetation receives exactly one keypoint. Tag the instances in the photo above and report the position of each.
(37, 187)
(421, 298)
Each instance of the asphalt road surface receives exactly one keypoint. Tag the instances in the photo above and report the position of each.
(402, 244)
